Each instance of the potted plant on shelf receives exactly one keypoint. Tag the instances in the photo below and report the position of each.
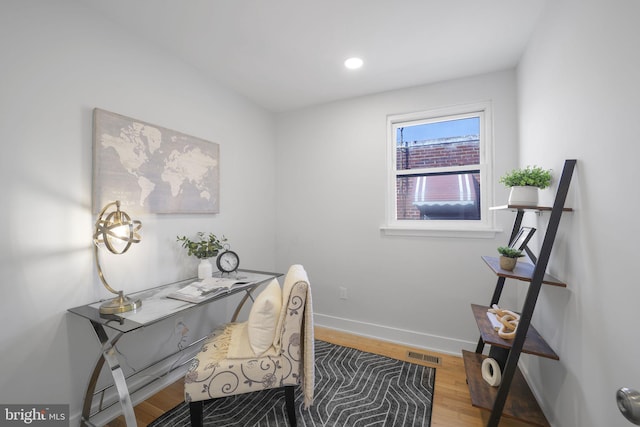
(509, 257)
(525, 183)
(205, 247)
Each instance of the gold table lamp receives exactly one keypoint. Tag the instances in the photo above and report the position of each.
(116, 231)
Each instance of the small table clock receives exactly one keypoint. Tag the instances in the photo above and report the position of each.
(228, 262)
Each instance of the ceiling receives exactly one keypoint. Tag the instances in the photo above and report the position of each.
(289, 54)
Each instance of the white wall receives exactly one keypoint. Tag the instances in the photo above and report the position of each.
(579, 97)
(331, 203)
(59, 61)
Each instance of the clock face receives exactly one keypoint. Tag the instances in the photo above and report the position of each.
(228, 261)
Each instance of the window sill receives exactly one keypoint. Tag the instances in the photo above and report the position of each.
(404, 230)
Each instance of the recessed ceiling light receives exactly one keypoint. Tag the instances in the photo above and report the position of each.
(353, 63)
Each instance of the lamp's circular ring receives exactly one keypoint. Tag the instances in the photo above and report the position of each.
(116, 225)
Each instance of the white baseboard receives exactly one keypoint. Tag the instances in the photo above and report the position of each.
(415, 339)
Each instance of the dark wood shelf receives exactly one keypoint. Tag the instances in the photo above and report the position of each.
(534, 343)
(523, 271)
(525, 208)
(520, 403)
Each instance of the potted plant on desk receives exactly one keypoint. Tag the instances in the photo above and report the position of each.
(205, 247)
(509, 257)
(525, 183)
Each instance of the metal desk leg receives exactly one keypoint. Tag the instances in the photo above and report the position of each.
(108, 355)
(121, 385)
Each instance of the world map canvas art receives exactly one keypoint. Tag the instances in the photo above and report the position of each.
(151, 169)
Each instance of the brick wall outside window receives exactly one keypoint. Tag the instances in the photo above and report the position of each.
(430, 154)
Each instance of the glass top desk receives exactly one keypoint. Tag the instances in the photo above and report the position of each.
(156, 306)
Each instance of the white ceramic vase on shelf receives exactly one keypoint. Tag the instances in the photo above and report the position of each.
(523, 196)
(205, 269)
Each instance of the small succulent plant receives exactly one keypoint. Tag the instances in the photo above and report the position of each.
(510, 252)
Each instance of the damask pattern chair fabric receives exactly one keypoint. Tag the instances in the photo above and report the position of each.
(226, 365)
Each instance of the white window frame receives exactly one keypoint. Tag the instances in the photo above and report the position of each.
(485, 227)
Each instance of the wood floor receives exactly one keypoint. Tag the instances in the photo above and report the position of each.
(451, 405)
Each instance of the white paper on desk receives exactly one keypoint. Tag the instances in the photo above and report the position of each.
(153, 309)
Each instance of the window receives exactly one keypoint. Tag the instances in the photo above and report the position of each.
(438, 169)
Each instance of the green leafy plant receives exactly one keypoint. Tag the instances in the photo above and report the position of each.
(206, 246)
(510, 252)
(533, 176)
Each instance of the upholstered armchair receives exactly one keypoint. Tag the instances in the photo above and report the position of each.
(272, 349)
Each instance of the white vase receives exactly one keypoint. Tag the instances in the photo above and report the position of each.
(523, 196)
(205, 269)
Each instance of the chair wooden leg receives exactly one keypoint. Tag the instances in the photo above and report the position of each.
(290, 403)
(195, 413)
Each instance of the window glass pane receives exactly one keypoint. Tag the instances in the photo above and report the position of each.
(454, 196)
(438, 144)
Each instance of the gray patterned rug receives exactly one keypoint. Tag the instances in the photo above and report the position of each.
(353, 388)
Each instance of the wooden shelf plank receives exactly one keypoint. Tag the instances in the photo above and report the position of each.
(533, 344)
(520, 404)
(525, 208)
(523, 271)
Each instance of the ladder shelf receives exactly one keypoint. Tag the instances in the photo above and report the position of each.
(513, 397)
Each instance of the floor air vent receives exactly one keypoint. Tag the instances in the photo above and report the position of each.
(424, 357)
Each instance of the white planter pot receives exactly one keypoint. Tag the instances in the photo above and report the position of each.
(205, 269)
(523, 196)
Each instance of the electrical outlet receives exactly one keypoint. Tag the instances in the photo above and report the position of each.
(343, 292)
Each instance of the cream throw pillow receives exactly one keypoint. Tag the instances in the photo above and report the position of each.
(263, 318)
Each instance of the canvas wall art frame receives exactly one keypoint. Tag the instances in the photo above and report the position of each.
(151, 169)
